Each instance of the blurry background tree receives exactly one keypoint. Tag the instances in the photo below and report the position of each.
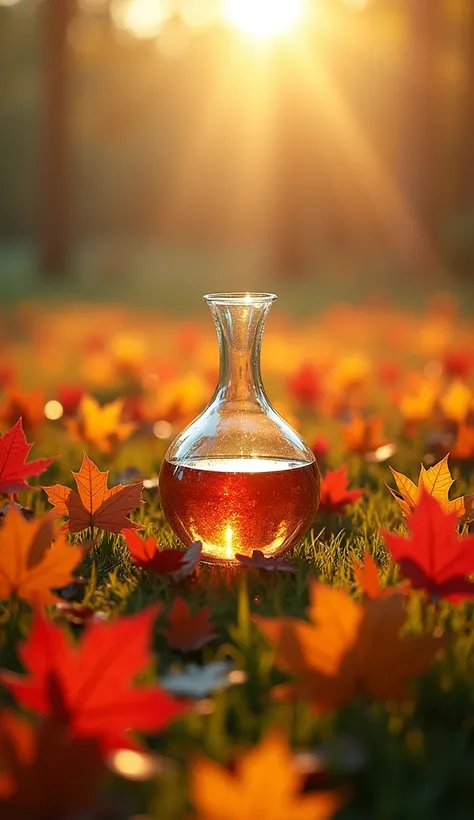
(466, 154)
(161, 121)
(55, 191)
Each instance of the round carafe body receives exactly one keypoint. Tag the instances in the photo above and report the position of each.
(239, 478)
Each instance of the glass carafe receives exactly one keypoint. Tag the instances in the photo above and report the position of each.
(239, 478)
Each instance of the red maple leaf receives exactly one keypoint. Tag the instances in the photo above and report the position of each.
(319, 447)
(305, 384)
(14, 469)
(335, 495)
(88, 686)
(174, 564)
(434, 558)
(188, 632)
(70, 396)
(458, 363)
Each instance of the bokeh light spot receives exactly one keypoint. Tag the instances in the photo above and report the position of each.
(53, 410)
(132, 765)
(162, 429)
(141, 18)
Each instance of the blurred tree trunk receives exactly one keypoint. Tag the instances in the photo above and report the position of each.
(422, 135)
(55, 183)
(465, 199)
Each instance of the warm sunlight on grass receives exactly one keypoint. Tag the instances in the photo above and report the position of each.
(264, 18)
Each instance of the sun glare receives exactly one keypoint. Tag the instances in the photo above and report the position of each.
(262, 19)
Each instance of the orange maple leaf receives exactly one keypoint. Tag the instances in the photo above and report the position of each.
(363, 435)
(244, 793)
(31, 563)
(28, 405)
(368, 580)
(94, 505)
(101, 427)
(463, 447)
(188, 632)
(348, 649)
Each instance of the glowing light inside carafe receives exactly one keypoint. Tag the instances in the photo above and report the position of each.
(229, 552)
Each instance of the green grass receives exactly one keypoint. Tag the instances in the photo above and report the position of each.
(415, 760)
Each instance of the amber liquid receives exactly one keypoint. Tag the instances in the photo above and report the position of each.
(240, 505)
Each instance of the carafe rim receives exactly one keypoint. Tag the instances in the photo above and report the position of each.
(239, 298)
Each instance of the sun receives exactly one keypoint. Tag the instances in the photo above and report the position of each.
(263, 18)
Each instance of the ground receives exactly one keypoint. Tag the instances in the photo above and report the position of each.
(411, 759)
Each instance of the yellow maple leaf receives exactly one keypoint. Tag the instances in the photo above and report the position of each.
(417, 404)
(32, 563)
(101, 426)
(244, 794)
(455, 403)
(437, 481)
(349, 370)
(181, 398)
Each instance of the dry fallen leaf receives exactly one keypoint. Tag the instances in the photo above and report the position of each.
(364, 435)
(264, 783)
(79, 615)
(417, 403)
(458, 363)
(266, 563)
(31, 563)
(88, 686)
(188, 631)
(198, 682)
(463, 447)
(175, 565)
(367, 579)
(100, 426)
(94, 505)
(319, 447)
(14, 468)
(437, 481)
(304, 384)
(348, 649)
(456, 402)
(25, 404)
(335, 493)
(434, 558)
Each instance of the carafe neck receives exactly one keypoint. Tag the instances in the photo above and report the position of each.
(240, 321)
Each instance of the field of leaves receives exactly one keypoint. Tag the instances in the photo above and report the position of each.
(138, 683)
